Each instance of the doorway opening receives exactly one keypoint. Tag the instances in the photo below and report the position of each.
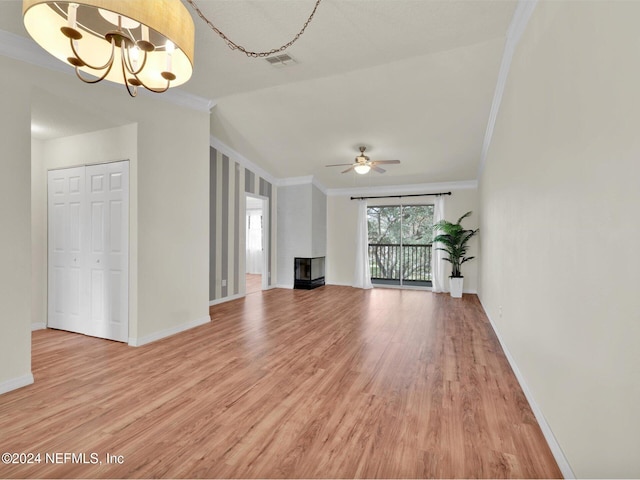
(256, 265)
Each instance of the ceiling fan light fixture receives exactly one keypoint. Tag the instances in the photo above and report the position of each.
(363, 164)
(362, 169)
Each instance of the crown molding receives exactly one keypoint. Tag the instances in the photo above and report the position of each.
(520, 20)
(306, 180)
(241, 159)
(292, 181)
(320, 186)
(183, 99)
(246, 163)
(26, 50)
(518, 25)
(404, 189)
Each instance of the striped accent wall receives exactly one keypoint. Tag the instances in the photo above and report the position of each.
(229, 182)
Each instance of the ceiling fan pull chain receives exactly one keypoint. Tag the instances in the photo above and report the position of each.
(234, 46)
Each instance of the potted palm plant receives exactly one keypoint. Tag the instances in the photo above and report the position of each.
(454, 239)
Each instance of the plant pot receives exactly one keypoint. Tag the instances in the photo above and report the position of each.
(455, 286)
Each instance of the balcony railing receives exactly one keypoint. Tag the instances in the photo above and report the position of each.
(400, 264)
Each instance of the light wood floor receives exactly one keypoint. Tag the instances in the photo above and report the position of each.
(333, 382)
(253, 282)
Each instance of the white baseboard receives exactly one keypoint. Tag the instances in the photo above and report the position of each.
(288, 287)
(15, 383)
(400, 287)
(226, 299)
(218, 301)
(556, 450)
(38, 326)
(138, 342)
(471, 291)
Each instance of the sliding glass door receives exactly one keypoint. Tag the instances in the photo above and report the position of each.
(400, 239)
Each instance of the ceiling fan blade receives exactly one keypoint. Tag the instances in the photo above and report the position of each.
(385, 162)
(378, 169)
(348, 169)
(339, 165)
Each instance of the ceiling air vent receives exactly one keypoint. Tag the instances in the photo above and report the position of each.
(281, 60)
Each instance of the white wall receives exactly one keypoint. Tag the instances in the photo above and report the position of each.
(301, 227)
(342, 216)
(15, 238)
(294, 229)
(38, 235)
(173, 219)
(171, 209)
(560, 229)
(318, 222)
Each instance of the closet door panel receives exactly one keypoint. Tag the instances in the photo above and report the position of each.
(66, 258)
(109, 256)
(118, 248)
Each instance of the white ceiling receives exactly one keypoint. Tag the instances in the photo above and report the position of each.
(411, 79)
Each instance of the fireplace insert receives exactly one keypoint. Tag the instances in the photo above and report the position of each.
(308, 273)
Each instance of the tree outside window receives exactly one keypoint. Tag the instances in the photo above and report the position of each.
(400, 239)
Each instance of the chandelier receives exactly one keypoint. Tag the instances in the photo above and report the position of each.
(138, 43)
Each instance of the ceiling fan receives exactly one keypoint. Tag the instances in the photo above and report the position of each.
(363, 164)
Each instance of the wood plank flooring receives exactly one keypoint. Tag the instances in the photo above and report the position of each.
(328, 383)
(253, 283)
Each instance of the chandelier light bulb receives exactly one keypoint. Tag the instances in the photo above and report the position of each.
(72, 11)
(169, 48)
(145, 33)
(134, 55)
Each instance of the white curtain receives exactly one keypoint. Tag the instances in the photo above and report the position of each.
(438, 267)
(254, 242)
(362, 275)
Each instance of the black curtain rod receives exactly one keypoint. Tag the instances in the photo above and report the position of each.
(401, 196)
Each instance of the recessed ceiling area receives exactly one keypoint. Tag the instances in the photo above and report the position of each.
(411, 79)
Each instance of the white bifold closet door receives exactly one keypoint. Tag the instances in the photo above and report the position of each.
(89, 250)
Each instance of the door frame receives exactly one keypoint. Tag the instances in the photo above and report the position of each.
(401, 281)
